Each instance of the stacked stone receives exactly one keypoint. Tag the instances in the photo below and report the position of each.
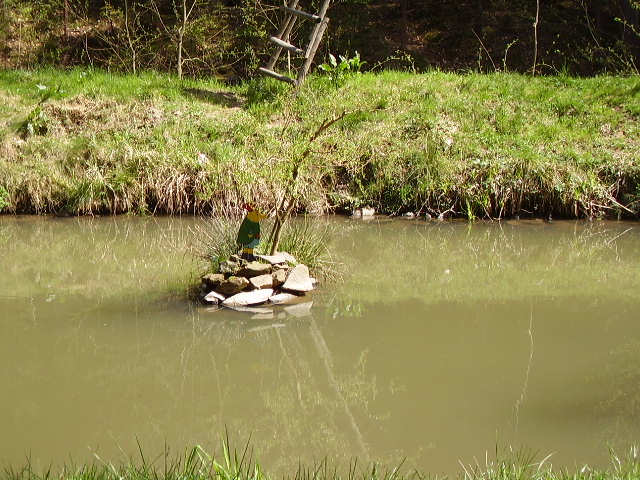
(277, 279)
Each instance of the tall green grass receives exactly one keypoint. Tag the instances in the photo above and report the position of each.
(197, 464)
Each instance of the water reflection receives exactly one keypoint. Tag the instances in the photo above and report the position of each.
(443, 340)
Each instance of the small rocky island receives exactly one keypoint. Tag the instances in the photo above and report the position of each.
(271, 280)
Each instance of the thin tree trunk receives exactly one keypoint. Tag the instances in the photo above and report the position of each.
(290, 195)
(181, 30)
(535, 39)
(278, 227)
(180, 36)
(405, 24)
(66, 20)
(129, 40)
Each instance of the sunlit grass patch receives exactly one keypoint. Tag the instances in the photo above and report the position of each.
(474, 145)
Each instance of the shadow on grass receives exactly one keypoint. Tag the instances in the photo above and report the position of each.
(225, 99)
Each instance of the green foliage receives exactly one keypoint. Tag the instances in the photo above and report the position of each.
(5, 200)
(338, 71)
(228, 39)
(265, 95)
(36, 123)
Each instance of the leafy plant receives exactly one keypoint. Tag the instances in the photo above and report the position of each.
(36, 123)
(337, 71)
(4, 198)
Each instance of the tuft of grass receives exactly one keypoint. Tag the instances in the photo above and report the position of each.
(217, 239)
(308, 241)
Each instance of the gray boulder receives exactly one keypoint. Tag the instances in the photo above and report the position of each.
(228, 267)
(298, 280)
(212, 280)
(232, 285)
(262, 281)
(254, 297)
(278, 277)
(253, 269)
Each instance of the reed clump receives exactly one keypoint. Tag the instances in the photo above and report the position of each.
(308, 241)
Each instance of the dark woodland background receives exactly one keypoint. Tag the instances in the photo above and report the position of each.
(229, 38)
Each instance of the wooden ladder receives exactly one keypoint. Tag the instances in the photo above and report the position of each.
(292, 13)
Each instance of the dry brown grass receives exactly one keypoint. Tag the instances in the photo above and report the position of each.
(82, 115)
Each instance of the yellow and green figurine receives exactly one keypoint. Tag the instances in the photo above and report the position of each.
(249, 232)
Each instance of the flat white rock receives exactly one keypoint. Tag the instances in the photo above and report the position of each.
(283, 298)
(253, 297)
(288, 257)
(214, 297)
(279, 257)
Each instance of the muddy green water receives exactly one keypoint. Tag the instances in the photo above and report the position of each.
(443, 341)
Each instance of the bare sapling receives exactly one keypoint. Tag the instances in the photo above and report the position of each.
(535, 39)
(182, 12)
(126, 31)
(289, 200)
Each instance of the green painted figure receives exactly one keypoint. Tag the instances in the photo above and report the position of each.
(249, 232)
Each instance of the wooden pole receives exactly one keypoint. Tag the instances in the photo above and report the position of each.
(311, 52)
(285, 31)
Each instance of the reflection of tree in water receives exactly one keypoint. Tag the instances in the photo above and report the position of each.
(187, 383)
(621, 376)
(302, 403)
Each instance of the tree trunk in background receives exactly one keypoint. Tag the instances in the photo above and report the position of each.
(477, 18)
(180, 37)
(405, 24)
(66, 20)
(181, 30)
(535, 38)
(632, 17)
(129, 39)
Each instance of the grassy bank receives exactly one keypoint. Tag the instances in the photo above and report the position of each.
(471, 145)
(196, 464)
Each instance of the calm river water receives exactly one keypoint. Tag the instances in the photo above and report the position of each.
(442, 341)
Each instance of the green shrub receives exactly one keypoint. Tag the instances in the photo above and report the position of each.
(36, 123)
(4, 198)
(338, 71)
